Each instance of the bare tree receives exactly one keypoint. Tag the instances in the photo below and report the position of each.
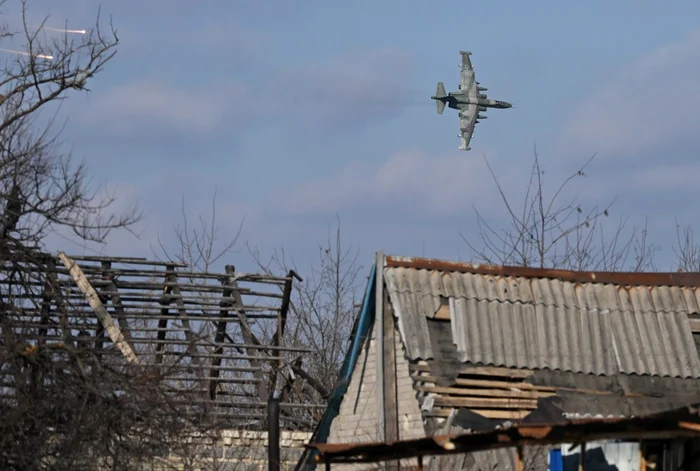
(559, 232)
(63, 405)
(200, 247)
(203, 245)
(73, 410)
(687, 250)
(41, 189)
(324, 309)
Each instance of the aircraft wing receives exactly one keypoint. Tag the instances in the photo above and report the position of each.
(467, 80)
(467, 121)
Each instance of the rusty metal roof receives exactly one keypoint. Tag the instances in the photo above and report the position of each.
(545, 319)
(682, 422)
(621, 278)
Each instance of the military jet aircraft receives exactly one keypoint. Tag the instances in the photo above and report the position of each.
(468, 100)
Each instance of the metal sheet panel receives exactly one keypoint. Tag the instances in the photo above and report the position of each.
(540, 323)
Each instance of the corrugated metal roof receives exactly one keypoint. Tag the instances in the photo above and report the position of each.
(543, 323)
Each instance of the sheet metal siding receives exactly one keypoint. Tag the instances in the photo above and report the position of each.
(546, 323)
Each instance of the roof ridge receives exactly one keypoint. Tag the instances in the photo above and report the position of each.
(598, 277)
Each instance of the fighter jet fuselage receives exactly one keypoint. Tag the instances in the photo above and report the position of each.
(459, 101)
(469, 100)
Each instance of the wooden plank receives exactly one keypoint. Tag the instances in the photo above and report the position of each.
(102, 315)
(486, 402)
(529, 394)
(486, 383)
(496, 371)
(423, 379)
(519, 458)
(502, 414)
(443, 314)
(164, 313)
(248, 336)
(110, 290)
(694, 325)
(480, 371)
(220, 334)
(531, 387)
(488, 413)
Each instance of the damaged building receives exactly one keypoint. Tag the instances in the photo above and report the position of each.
(450, 348)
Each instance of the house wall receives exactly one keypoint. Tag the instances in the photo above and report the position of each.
(357, 419)
(234, 450)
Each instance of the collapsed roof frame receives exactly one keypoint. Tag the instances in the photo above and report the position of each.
(219, 334)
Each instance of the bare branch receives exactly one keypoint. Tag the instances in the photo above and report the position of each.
(41, 188)
(555, 233)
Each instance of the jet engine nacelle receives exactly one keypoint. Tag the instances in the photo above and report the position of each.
(481, 95)
(482, 89)
(482, 108)
(481, 116)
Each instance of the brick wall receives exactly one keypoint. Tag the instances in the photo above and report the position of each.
(241, 450)
(357, 420)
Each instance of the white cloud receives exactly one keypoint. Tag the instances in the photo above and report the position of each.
(653, 101)
(413, 181)
(202, 109)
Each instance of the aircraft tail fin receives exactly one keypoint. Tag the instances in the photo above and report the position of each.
(439, 94)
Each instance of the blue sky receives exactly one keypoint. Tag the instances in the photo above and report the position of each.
(300, 110)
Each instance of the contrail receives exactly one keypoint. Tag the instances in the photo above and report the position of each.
(62, 30)
(40, 56)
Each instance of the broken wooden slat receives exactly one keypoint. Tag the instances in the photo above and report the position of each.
(529, 394)
(102, 315)
(487, 383)
(495, 371)
(488, 413)
(694, 325)
(486, 402)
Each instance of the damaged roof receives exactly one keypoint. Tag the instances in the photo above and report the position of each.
(581, 322)
(679, 422)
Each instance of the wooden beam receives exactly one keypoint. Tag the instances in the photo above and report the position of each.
(220, 333)
(165, 311)
(486, 402)
(487, 383)
(502, 414)
(391, 407)
(116, 300)
(529, 394)
(518, 458)
(281, 323)
(694, 325)
(191, 340)
(481, 371)
(488, 413)
(496, 371)
(443, 313)
(248, 335)
(102, 315)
